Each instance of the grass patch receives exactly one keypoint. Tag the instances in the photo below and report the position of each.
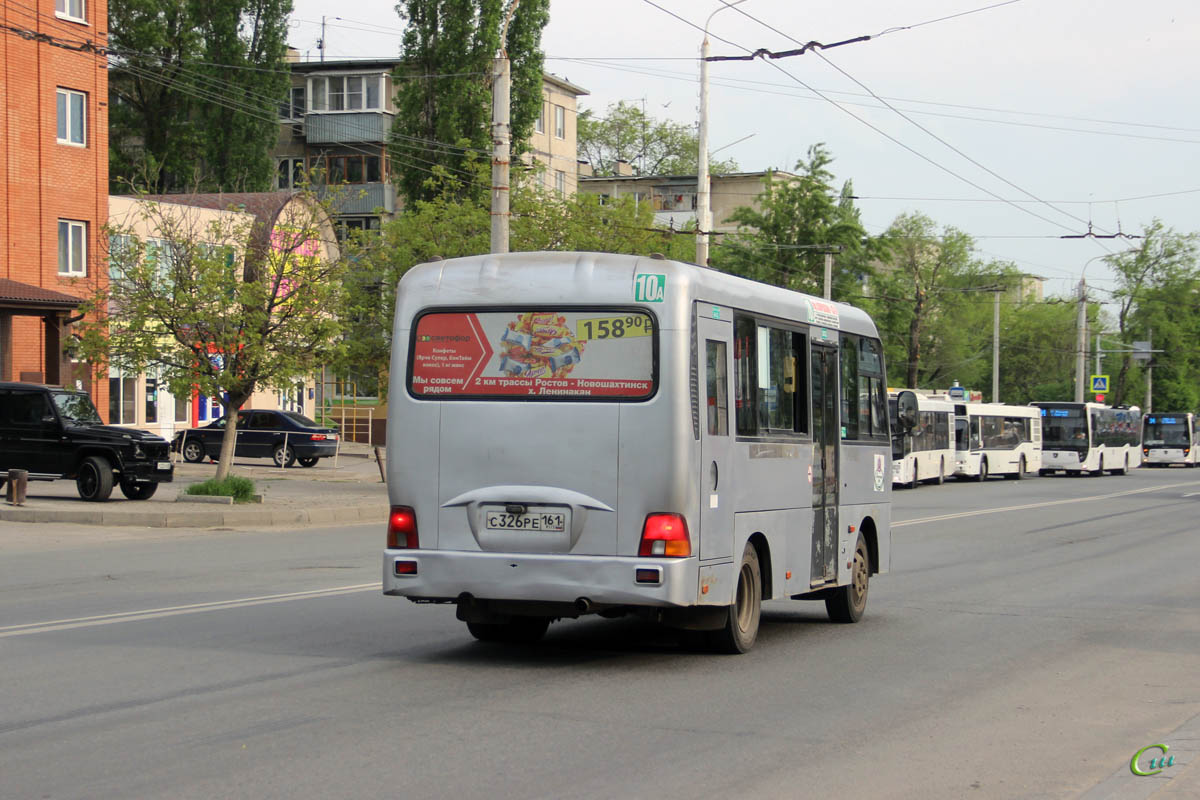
(240, 489)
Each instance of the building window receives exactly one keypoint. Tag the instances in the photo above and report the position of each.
(122, 408)
(346, 93)
(346, 225)
(72, 117)
(293, 107)
(560, 181)
(72, 248)
(69, 9)
(560, 122)
(540, 125)
(120, 250)
(183, 408)
(152, 384)
(290, 173)
(349, 169)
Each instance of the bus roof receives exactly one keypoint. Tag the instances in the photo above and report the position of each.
(571, 278)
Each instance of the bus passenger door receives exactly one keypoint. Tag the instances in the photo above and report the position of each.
(714, 342)
(826, 435)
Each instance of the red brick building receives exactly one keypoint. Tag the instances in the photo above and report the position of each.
(53, 184)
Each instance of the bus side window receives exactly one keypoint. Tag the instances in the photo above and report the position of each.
(850, 396)
(770, 378)
(716, 389)
(746, 382)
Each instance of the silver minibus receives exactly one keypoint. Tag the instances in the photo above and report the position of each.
(579, 433)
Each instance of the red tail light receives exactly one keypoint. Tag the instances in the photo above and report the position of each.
(318, 437)
(665, 535)
(402, 529)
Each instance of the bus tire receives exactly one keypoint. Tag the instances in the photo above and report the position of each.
(741, 623)
(1020, 473)
(941, 476)
(982, 476)
(916, 478)
(518, 630)
(1124, 468)
(848, 603)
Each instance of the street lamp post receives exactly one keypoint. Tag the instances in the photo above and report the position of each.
(703, 209)
(1081, 332)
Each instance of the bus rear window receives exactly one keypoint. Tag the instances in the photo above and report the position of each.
(547, 354)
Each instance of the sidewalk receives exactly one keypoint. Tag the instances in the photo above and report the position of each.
(349, 492)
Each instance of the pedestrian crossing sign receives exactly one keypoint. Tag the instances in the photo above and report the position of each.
(1099, 384)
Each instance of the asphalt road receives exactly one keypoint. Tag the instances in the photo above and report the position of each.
(1030, 638)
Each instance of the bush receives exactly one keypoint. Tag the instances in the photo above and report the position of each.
(240, 489)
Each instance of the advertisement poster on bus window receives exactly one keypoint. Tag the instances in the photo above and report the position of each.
(606, 354)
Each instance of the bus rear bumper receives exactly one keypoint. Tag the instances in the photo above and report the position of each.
(600, 580)
(1165, 455)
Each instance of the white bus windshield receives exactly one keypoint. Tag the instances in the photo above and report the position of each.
(1166, 432)
(1064, 429)
(529, 354)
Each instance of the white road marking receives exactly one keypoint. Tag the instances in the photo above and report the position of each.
(982, 511)
(171, 611)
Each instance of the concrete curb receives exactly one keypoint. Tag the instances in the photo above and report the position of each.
(195, 518)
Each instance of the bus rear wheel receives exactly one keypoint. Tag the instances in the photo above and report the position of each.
(982, 476)
(848, 603)
(518, 630)
(741, 624)
(1020, 473)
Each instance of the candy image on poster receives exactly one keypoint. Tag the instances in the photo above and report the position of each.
(539, 345)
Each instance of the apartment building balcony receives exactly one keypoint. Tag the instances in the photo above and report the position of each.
(346, 127)
(360, 198)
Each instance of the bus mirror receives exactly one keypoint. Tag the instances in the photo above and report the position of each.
(906, 410)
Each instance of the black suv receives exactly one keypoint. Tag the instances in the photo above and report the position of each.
(56, 433)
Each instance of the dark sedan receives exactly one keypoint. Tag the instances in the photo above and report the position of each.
(284, 436)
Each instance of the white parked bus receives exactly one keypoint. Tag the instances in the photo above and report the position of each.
(926, 451)
(1090, 438)
(1170, 439)
(575, 433)
(996, 439)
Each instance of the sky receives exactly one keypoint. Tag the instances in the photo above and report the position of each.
(1015, 121)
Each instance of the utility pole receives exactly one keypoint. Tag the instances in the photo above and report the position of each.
(1081, 345)
(1149, 373)
(829, 275)
(321, 42)
(501, 140)
(703, 212)
(996, 349)
(703, 206)
(1098, 365)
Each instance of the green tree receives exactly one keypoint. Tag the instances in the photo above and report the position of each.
(225, 306)
(797, 221)
(1037, 352)
(651, 146)
(245, 45)
(1158, 285)
(194, 93)
(929, 298)
(444, 99)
